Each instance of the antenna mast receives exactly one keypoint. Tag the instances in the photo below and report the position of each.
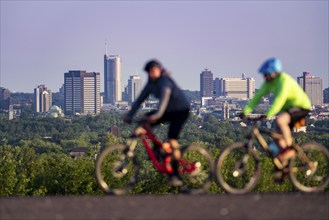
(106, 47)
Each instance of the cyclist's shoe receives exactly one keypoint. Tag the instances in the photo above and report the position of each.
(175, 181)
(282, 159)
(279, 176)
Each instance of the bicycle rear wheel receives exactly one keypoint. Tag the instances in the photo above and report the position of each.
(312, 176)
(196, 169)
(238, 169)
(116, 173)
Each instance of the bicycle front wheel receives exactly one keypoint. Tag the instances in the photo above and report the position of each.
(310, 173)
(196, 169)
(116, 173)
(238, 169)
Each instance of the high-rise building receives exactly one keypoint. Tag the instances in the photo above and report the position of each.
(217, 87)
(312, 85)
(112, 79)
(81, 93)
(206, 84)
(242, 88)
(125, 96)
(42, 99)
(326, 95)
(134, 87)
(4, 98)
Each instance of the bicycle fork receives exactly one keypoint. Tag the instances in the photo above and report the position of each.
(311, 166)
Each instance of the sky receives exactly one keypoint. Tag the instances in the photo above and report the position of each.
(41, 40)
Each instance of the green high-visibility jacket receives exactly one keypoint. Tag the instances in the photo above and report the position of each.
(288, 94)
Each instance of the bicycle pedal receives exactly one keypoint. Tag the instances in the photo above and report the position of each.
(168, 165)
(167, 148)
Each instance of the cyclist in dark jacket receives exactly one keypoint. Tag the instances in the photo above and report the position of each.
(173, 108)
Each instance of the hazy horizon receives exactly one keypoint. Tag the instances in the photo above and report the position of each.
(40, 41)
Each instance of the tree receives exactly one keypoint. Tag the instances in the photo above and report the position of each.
(8, 178)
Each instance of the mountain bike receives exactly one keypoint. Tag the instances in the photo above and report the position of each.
(117, 167)
(238, 167)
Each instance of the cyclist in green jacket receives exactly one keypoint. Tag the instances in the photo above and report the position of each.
(290, 105)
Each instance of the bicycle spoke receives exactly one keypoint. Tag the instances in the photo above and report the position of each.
(314, 175)
(115, 171)
(196, 169)
(238, 170)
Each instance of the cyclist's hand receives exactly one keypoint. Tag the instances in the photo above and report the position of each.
(127, 119)
(148, 119)
(242, 115)
(262, 118)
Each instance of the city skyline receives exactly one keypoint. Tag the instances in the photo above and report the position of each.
(39, 39)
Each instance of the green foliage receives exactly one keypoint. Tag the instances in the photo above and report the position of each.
(8, 178)
(34, 153)
(267, 183)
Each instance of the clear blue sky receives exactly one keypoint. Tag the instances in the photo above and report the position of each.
(40, 40)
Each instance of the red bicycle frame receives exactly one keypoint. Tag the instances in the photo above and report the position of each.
(186, 166)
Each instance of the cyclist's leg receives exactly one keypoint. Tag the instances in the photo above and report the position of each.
(286, 121)
(283, 120)
(177, 120)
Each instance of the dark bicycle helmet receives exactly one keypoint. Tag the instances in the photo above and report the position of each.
(151, 64)
(270, 66)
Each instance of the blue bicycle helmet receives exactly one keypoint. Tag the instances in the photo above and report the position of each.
(270, 66)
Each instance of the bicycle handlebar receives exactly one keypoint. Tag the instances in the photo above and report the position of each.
(248, 118)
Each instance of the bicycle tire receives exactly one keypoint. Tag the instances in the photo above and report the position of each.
(199, 180)
(245, 175)
(115, 172)
(307, 180)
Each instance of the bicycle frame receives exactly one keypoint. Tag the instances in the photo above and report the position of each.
(187, 167)
(256, 133)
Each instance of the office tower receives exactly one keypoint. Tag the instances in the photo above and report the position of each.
(125, 95)
(206, 84)
(42, 99)
(242, 88)
(4, 98)
(81, 93)
(61, 96)
(90, 86)
(72, 92)
(217, 88)
(312, 85)
(326, 95)
(134, 88)
(112, 79)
